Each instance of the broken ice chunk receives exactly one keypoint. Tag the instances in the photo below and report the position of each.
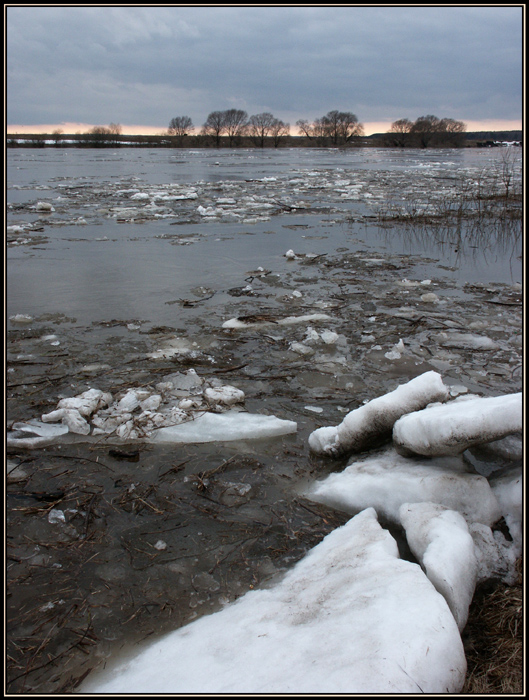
(452, 428)
(440, 540)
(224, 395)
(70, 417)
(41, 429)
(387, 480)
(87, 402)
(371, 423)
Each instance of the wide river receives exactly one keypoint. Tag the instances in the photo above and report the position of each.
(311, 280)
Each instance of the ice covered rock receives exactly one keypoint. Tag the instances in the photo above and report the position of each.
(351, 617)
(21, 318)
(440, 540)
(452, 428)
(151, 403)
(232, 425)
(371, 424)
(107, 422)
(387, 480)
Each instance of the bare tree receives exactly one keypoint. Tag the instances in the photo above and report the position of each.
(305, 127)
(235, 123)
(312, 130)
(336, 127)
(260, 126)
(279, 130)
(57, 135)
(430, 130)
(214, 126)
(115, 129)
(180, 126)
(399, 133)
(425, 129)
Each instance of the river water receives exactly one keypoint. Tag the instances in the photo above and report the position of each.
(123, 267)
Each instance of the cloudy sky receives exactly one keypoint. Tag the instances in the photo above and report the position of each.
(139, 66)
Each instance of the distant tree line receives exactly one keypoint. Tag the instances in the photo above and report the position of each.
(335, 128)
(426, 132)
(233, 127)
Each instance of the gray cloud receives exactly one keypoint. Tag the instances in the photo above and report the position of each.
(144, 65)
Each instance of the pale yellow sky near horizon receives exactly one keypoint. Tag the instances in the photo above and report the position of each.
(135, 129)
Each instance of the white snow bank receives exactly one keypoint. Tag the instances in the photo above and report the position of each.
(454, 427)
(388, 480)
(373, 422)
(232, 425)
(440, 540)
(351, 617)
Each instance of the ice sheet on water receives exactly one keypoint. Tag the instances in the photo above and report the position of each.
(351, 617)
(233, 425)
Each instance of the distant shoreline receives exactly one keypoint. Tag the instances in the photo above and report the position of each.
(475, 139)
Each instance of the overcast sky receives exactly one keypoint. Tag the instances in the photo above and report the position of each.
(144, 65)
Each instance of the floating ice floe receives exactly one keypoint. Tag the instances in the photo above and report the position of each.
(232, 425)
(21, 318)
(373, 422)
(466, 340)
(44, 206)
(32, 434)
(234, 323)
(182, 409)
(454, 427)
(351, 617)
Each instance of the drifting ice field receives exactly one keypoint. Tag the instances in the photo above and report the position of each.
(220, 374)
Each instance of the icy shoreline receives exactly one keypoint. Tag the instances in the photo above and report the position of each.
(355, 578)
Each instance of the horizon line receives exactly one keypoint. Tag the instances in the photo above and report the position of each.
(370, 128)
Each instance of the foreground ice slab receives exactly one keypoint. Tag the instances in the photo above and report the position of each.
(454, 427)
(388, 480)
(232, 425)
(372, 423)
(351, 617)
(440, 540)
